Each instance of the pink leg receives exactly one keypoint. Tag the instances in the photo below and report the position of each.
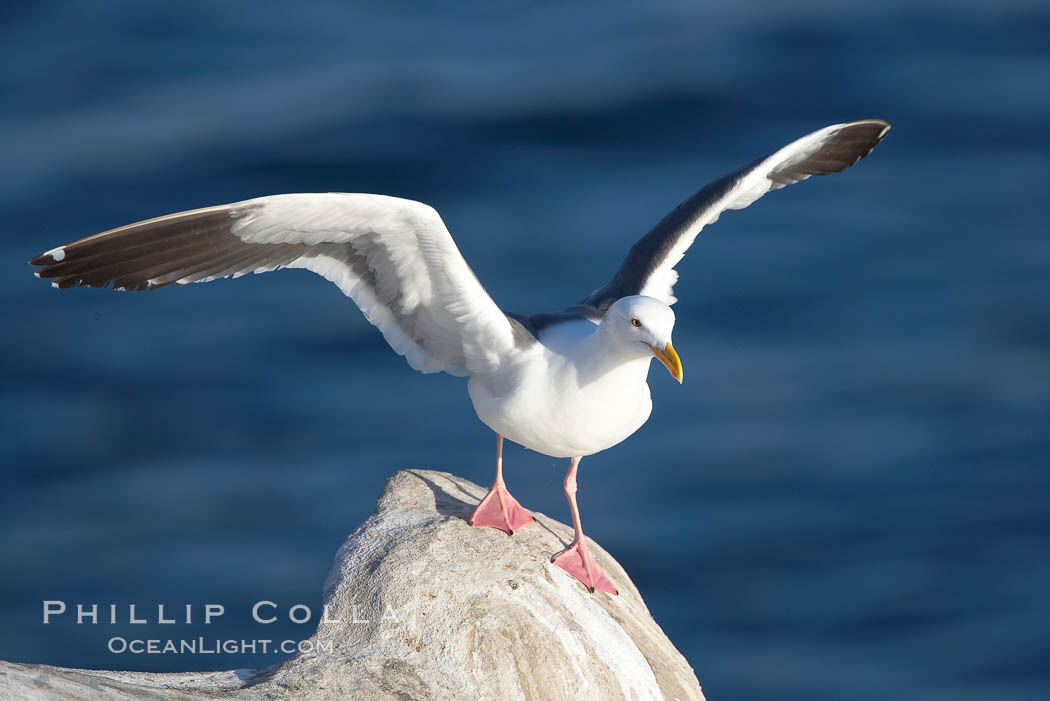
(577, 559)
(499, 509)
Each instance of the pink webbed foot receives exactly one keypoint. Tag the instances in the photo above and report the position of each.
(578, 561)
(501, 511)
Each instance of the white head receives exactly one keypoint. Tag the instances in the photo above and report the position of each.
(644, 324)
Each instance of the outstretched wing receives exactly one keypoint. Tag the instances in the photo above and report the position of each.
(393, 257)
(649, 267)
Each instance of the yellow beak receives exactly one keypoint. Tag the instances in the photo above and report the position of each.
(670, 359)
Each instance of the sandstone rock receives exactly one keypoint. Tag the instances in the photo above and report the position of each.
(422, 606)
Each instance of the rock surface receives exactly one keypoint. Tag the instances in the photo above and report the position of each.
(422, 606)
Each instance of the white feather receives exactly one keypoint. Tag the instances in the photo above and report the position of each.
(455, 325)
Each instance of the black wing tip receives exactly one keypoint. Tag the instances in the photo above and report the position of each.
(64, 282)
(881, 123)
(846, 145)
(54, 265)
(46, 264)
(64, 267)
(49, 265)
(55, 255)
(870, 130)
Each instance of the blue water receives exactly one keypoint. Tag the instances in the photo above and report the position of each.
(848, 497)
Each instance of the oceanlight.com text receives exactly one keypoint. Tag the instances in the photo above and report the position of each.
(215, 646)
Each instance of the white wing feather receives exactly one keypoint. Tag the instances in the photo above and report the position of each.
(456, 327)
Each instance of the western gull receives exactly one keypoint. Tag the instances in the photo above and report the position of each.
(567, 384)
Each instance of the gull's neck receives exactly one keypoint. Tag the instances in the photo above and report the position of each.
(603, 354)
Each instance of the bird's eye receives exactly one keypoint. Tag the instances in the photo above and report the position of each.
(636, 323)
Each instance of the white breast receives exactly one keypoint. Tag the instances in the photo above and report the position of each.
(565, 397)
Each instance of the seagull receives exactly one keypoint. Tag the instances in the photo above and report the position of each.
(566, 384)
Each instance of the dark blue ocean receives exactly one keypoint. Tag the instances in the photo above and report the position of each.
(849, 497)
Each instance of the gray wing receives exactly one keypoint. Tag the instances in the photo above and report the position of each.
(649, 267)
(393, 257)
